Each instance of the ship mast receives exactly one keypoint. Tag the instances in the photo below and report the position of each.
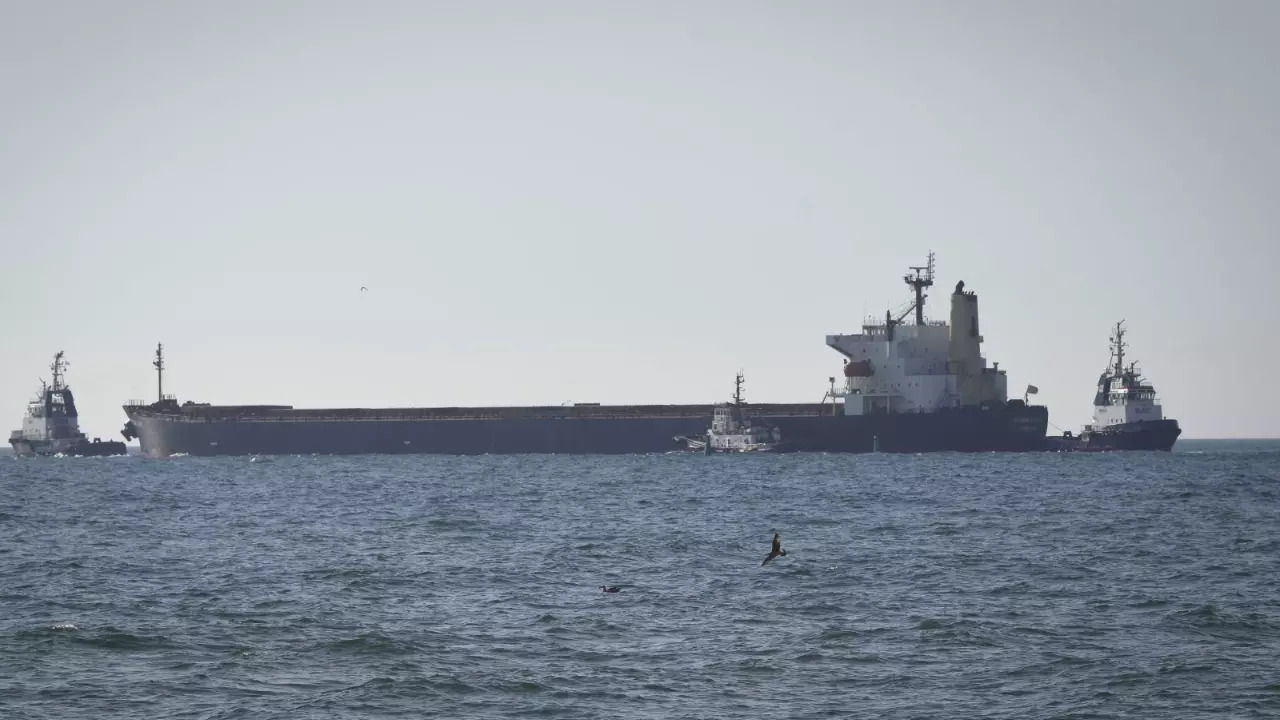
(159, 365)
(58, 367)
(1117, 350)
(737, 391)
(919, 283)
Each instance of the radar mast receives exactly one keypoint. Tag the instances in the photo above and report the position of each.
(922, 279)
(159, 366)
(1117, 350)
(59, 367)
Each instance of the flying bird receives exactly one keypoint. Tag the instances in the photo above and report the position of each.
(777, 549)
(363, 288)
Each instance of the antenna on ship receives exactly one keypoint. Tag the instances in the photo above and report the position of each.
(919, 283)
(159, 365)
(58, 367)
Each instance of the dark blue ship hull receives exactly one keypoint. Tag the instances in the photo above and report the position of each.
(1145, 435)
(80, 448)
(213, 431)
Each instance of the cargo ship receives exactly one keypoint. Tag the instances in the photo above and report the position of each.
(1126, 415)
(52, 424)
(907, 387)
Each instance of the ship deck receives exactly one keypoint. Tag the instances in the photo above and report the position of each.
(285, 413)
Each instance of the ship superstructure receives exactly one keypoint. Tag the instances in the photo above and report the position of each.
(895, 368)
(1123, 396)
(51, 425)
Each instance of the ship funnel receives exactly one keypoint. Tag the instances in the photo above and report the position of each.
(975, 382)
(964, 351)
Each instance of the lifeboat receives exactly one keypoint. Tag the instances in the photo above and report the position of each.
(862, 368)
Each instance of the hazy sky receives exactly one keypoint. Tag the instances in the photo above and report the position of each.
(629, 202)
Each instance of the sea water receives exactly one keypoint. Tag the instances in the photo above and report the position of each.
(1111, 585)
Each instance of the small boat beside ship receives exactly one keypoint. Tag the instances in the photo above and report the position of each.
(732, 431)
(52, 424)
(1126, 415)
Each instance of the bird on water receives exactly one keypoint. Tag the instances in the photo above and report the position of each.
(610, 588)
(777, 549)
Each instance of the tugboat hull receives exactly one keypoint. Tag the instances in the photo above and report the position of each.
(700, 444)
(1143, 435)
(85, 448)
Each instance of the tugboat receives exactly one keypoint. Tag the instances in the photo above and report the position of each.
(1126, 415)
(52, 426)
(733, 432)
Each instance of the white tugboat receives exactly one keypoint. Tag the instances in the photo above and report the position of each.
(1126, 414)
(733, 432)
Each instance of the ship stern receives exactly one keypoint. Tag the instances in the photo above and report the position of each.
(1028, 426)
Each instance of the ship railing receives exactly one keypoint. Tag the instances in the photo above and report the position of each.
(167, 397)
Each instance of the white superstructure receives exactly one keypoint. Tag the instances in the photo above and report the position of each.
(1123, 396)
(898, 368)
(732, 432)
